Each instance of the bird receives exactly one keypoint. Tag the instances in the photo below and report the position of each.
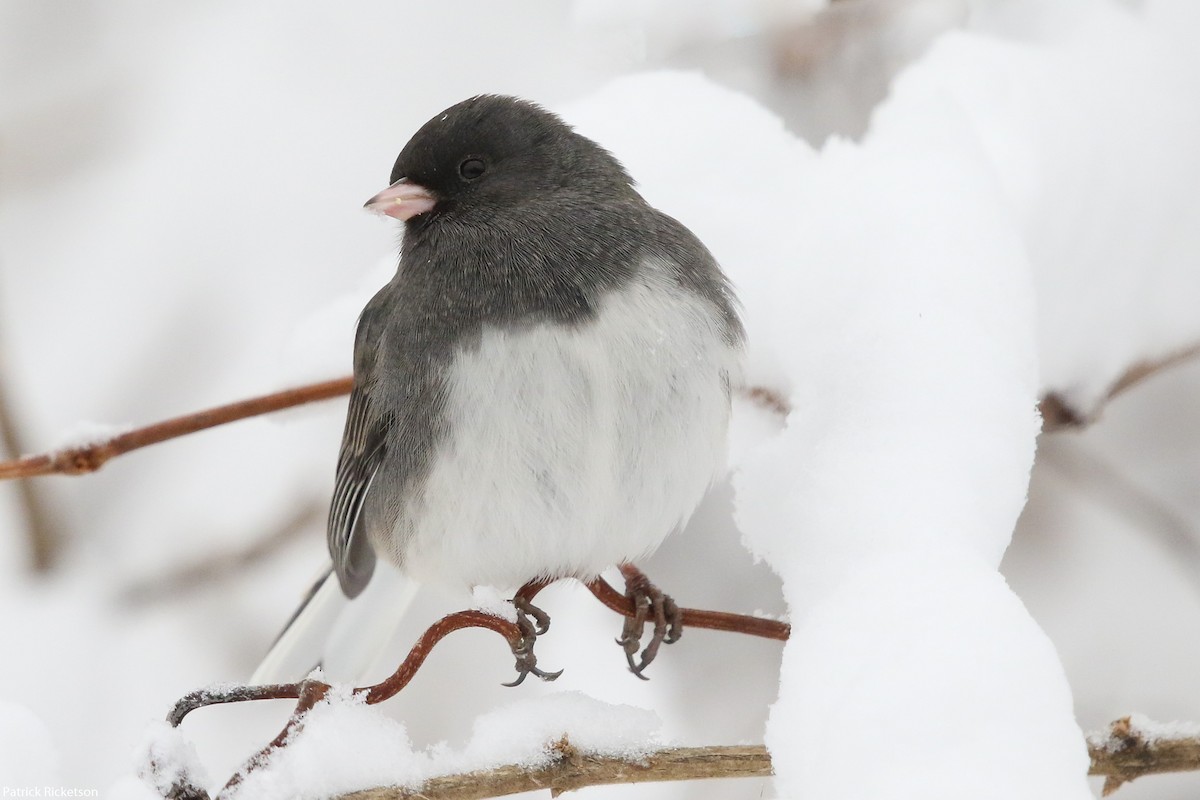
(543, 389)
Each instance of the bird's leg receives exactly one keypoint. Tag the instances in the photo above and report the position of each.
(649, 603)
(533, 622)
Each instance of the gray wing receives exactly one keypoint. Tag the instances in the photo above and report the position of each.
(364, 445)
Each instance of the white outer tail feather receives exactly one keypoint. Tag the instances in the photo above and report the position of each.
(344, 637)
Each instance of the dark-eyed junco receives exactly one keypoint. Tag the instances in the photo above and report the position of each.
(543, 389)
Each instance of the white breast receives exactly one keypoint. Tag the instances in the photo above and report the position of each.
(573, 447)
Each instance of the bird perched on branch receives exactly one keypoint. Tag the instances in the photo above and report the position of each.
(543, 389)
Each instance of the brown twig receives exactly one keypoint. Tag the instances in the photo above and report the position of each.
(376, 693)
(310, 692)
(79, 460)
(698, 618)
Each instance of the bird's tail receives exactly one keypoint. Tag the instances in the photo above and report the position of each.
(342, 636)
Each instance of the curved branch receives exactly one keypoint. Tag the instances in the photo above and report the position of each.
(375, 693)
(89, 458)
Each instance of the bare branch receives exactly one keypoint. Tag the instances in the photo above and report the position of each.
(376, 693)
(698, 618)
(574, 770)
(78, 460)
(1057, 414)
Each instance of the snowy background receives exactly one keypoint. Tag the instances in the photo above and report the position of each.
(934, 211)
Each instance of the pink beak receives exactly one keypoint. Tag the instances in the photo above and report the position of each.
(402, 200)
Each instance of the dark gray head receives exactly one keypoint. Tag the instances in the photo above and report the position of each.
(493, 152)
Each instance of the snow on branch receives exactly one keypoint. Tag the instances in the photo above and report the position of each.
(312, 691)
(574, 770)
(1132, 748)
(1135, 746)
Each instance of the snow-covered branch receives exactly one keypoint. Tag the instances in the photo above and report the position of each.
(1131, 749)
(574, 770)
(1135, 746)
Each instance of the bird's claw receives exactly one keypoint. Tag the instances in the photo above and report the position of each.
(649, 603)
(532, 622)
(527, 663)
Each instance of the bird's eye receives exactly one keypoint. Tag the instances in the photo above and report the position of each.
(472, 168)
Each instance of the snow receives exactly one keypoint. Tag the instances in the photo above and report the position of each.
(85, 433)
(28, 754)
(1103, 185)
(912, 372)
(1147, 730)
(167, 760)
(490, 601)
(344, 745)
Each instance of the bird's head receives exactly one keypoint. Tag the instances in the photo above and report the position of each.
(492, 153)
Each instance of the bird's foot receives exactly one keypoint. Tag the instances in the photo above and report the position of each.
(532, 622)
(531, 619)
(649, 604)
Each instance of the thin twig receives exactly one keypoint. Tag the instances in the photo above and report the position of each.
(698, 618)
(79, 460)
(376, 693)
(310, 692)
